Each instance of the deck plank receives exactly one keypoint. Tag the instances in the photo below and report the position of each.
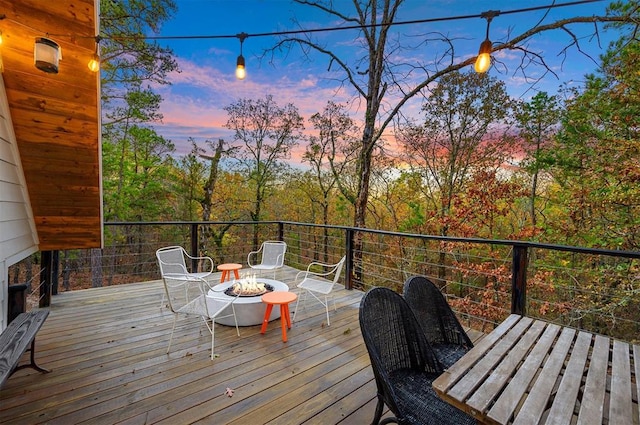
(621, 406)
(593, 399)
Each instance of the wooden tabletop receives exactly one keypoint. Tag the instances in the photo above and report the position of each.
(529, 371)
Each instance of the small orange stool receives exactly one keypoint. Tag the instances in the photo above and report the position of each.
(283, 298)
(227, 268)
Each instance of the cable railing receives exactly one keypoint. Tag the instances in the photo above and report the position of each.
(484, 280)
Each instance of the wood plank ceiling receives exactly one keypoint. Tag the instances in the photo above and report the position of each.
(56, 118)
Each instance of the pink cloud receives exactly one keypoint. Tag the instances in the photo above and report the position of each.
(193, 105)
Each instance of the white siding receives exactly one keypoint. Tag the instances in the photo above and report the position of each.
(18, 237)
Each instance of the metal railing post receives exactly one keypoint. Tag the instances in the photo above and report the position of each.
(519, 280)
(280, 231)
(348, 279)
(194, 246)
(55, 271)
(46, 261)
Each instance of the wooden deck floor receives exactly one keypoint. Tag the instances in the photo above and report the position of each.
(106, 348)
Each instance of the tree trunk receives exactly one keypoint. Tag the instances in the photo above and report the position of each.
(362, 199)
(534, 186)
(211, 182)
(325, 219)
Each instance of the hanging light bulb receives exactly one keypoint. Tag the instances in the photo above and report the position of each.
(241, 71)
(483, 61)
(94, 62)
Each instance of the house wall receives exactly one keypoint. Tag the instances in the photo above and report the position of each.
(56, 118)
(18, 237)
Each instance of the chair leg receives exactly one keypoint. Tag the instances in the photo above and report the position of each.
(326, 307)
(235, 319)
(378, 413)
(175, 318)
(297, 303)
(211, 330)
(213, 338)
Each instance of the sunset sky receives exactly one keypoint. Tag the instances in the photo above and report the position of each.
(193, 104)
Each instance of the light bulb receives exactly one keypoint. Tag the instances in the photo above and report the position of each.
(241, 72)
(94, 64)
(483, 62)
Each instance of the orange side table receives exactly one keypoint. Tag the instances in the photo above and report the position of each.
(282, 298)
(226, 270)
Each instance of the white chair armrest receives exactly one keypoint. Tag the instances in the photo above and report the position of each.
(249, 263)
(209, 259)
(305, 272)
(328, 268)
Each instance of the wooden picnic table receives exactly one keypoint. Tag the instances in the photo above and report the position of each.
(530, 371)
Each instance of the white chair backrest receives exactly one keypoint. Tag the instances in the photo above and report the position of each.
(171, 260)
(338, 269)
(273, 253)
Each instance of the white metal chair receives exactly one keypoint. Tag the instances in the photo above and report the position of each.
(172, 259)
(189, 295)
(270, 256)
(319, 283)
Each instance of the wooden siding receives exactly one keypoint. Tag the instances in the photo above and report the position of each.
(18, 238)
(107, 351)
(56, 118)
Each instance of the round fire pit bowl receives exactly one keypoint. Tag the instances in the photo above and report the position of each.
(249, 310)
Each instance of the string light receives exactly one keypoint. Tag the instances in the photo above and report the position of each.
(94, 62)
(355, 27)
(483, 62)
(240, 65)
(241, 71)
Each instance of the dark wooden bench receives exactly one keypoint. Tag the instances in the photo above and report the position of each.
(15, 340)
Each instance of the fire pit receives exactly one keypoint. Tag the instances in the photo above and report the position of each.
(248, 287)
(249, 307)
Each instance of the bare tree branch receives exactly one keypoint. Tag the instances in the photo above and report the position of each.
(386, 86)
